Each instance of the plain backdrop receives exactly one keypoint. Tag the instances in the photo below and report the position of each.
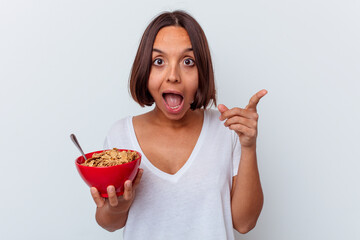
(64, 68)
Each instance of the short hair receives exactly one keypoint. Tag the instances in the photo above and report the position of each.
(140, 72)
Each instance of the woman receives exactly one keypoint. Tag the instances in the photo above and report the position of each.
(199, 179)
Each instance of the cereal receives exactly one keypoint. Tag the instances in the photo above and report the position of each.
(109, 158)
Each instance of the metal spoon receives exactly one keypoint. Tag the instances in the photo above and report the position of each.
(75, 141)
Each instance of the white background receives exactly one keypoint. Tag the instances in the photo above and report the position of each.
(64, 68)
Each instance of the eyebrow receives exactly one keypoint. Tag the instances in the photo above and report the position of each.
(159, 51)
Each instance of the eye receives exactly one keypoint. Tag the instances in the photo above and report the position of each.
(158, 62)
(189, 62)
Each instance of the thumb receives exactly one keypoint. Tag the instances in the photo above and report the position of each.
(222, 108)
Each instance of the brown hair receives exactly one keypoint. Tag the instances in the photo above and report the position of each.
(143, 60)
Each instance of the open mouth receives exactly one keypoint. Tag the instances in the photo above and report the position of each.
(173, 100)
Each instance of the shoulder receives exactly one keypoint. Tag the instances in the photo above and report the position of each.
(212, 118)
(212, 114)
(119, 132)
(120, 124)
(216, 127)
(121, 135)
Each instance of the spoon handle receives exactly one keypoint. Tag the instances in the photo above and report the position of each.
(75, 141)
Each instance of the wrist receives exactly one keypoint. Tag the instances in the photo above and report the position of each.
(116, 210)
(248, 149)
(248, 154)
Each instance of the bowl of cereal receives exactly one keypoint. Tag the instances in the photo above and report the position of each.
(109, 167)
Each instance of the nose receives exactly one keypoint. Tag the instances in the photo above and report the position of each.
(173, 73)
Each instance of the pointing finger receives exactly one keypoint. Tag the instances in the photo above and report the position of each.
(254, 100)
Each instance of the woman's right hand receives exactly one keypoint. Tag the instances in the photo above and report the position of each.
(115, 204)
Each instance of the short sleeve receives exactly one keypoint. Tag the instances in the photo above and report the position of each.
(236, 153)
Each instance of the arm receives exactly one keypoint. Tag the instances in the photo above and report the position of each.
(246, 192)
(246, 195)
(111, 213)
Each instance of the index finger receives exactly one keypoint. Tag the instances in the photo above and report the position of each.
(254, 100)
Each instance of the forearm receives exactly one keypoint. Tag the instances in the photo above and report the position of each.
(109, 219)
(247, 195)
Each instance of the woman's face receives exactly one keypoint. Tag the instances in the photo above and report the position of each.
(173, 79)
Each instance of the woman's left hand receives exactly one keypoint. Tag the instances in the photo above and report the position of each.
(243, 120)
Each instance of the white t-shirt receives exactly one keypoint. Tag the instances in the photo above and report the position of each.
(194, 203)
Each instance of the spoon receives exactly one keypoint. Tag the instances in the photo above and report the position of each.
(75, 141)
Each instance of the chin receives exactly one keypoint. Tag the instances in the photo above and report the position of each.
(174, 115)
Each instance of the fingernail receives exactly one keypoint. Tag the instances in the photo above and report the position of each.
(110, 189)
(93, 190)
(128, 184)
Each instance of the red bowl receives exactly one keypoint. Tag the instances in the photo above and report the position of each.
(102, 177)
